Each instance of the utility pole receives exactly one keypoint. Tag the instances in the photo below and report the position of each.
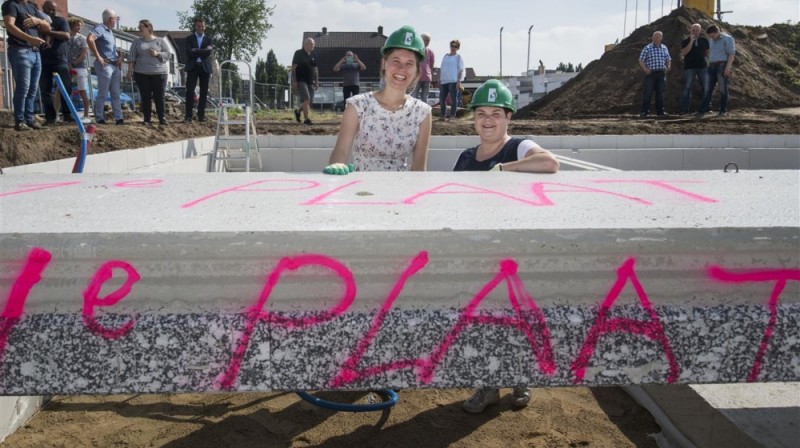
(720, 12)
(528, 67)
(501, 51)
(625, 21)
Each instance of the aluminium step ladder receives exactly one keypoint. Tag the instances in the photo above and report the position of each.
(235, 152)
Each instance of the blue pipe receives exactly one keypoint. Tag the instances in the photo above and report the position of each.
(84, 138)
(389, 394)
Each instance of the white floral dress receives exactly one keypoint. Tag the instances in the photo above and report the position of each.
(385, 140)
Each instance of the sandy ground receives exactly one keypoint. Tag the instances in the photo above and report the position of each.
(556, 417)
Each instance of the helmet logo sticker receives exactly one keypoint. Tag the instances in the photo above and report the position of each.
(409, 38)
(492, 95)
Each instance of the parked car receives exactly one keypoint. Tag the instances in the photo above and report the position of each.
(433, 98)
(124, 98)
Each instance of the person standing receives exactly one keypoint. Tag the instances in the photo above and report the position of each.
(147, 64)
(450, 75)
(107, 66)
(694, 51)
(350, 66)
(722, 52)
(79, 62)
(54, 60)
(25, 28)
(655, 62)
(386, 128)
(199, 48)
(305, 78)
(426, 71)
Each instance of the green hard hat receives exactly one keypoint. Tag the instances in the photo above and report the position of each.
(406, 38)
(493, 93)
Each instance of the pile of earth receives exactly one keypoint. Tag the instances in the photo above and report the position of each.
(766, 71)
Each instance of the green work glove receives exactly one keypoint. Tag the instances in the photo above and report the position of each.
(339, 169)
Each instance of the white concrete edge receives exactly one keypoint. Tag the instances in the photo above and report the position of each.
(17, 411)
(672, 436)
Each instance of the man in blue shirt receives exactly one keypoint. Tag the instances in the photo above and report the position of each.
(722, 51)
(107, 65)
(655, 62)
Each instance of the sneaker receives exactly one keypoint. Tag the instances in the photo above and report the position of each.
(147, 124)
(201, 119)
(86, 120)
(643, 115)
(50, 122)
(163, 122)
(101, 121)
(722, 113)
(308, 122)
(663, 115)
(20, 126)
(297, 115)
(187, 120)
(120, 122)
(520, 397)
(483, 397)
(33, 125)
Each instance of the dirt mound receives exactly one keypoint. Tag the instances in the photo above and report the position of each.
(765, 72)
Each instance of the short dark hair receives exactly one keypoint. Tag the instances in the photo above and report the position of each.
(712, 29)
(199, 19)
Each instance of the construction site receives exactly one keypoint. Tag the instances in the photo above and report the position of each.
(181, 292)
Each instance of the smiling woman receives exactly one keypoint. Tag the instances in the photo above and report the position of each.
(385, 127)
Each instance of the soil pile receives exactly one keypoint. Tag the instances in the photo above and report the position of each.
(766, 73)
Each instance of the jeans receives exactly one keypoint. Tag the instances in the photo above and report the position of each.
(689, 75)
(26, 66)
(716, 75)
(108, 79)
(444, 89)
(47, 86)
(151, 88)
(349, 91)
(655, 82)
(192, 76)
(421, 91)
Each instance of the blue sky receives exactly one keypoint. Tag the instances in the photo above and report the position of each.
(563, 31)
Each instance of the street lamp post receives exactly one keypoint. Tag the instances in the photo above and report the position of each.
(528, 67)
(501, 51)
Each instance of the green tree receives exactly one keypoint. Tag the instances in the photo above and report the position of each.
(570, 68)
(238, 26)
(276, 73)
(579, 67)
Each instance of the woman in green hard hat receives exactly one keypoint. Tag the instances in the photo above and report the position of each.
(387, 130)
(493, 105)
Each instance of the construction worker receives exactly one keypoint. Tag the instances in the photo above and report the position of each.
(387, 127)
(493, 105)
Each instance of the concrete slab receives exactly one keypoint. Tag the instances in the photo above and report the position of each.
(274, 281)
